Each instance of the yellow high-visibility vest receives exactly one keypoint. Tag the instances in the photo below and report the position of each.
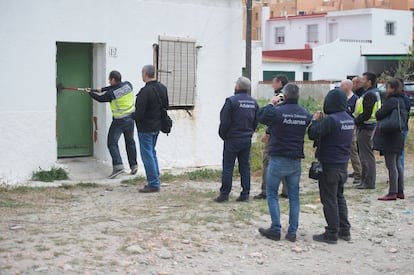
(359, 107)
(123, 105)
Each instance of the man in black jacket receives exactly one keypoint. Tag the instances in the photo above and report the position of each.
(365, 109)
(121, 98)
(333, 135)
(238, 121)
(152, 98)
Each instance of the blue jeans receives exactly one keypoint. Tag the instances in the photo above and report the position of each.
(147, 143)
(118, 127)
(290, 169)
(240, 149)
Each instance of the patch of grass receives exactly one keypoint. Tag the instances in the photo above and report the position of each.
(23, 189)
(12, 204)
(79, 185)
(310, 104)
(204, 174)
(168, 177)
(310, 198)
(50, 175)
(256, 157)
(136, 180)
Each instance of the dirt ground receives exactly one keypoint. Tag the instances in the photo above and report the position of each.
(112, 229)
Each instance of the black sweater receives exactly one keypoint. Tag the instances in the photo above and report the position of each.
(148, 106)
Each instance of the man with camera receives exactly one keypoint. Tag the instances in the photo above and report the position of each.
(287, 123)
(278, 82)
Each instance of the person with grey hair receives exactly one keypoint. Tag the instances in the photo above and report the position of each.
(287, 122)
(150, 101)
(238, 121)
(352, 98)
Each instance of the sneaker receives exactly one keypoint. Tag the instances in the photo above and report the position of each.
(270, 234)
(345, 237)
(291, 237)
(134, 170)
(357, 181)
(260, 196)
(243, 199)
(149, 189)
(115, 173)
(389, 197)
(324, 239)
(221, 198)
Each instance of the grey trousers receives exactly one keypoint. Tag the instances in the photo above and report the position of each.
(395, 173)
(366, 155)
(265, 163)
(355, 162)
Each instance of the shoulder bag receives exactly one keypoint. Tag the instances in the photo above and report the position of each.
(166, 121)
(394, 122)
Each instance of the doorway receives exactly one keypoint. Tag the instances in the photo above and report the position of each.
(74, 108)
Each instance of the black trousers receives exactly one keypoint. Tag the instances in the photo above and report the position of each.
(331, 190)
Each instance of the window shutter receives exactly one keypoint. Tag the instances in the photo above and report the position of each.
(177, 69)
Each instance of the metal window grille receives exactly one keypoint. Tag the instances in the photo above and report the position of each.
(389, 28)
(177, 61)
(279, 35)
(312, 33)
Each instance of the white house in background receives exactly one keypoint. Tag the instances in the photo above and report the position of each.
(334, 45)
(196, 45)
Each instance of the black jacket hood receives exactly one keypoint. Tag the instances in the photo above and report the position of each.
(335, 101)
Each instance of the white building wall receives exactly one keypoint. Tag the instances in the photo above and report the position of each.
(295, 33)
(30, 30)
(350, 25)
(390, 44)
(359, 33)
(337, 60)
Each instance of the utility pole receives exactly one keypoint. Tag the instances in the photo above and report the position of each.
(249, 8)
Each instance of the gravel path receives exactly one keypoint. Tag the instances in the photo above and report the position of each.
(111, 228)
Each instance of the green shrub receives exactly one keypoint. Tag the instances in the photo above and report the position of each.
(310, 104)
(50, 175)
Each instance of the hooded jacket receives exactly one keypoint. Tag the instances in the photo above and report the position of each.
(333, 134)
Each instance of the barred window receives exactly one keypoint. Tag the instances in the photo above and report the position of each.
(390, 28)
(176, 66)
(280, 35)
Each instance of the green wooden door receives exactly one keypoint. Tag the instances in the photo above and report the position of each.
(74, 108)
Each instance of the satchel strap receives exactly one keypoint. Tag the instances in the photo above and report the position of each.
(159, 98)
